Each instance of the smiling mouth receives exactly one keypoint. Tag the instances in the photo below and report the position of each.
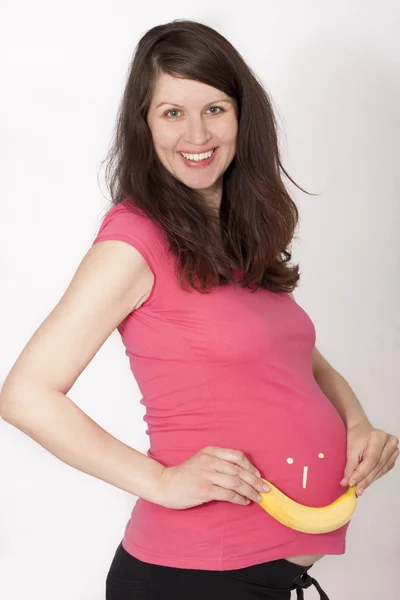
(196, 156)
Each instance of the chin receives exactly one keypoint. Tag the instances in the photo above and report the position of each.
(209, 187)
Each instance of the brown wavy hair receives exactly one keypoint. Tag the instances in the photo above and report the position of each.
(257, 218)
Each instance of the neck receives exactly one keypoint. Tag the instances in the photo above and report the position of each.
(213, 196)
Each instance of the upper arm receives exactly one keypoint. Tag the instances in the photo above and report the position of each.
(319, 363)
(109, 282)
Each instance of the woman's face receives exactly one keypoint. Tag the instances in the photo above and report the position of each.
(191, 117)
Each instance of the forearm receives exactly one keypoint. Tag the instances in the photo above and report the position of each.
(56, 423)
(340, 394)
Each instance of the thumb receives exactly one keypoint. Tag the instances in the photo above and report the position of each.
(351, 466)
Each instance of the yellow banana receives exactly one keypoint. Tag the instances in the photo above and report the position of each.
(309, 519)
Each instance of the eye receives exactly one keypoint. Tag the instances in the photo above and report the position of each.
(219, 108)
(174, 110)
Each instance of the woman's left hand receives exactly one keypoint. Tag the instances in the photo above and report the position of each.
(371, 453)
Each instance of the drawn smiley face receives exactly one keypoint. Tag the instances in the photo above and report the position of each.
(290, 461)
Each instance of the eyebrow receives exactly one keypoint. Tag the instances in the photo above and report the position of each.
(209, 103)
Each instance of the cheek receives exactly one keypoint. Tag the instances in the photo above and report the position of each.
(165, 139)
(227, 132)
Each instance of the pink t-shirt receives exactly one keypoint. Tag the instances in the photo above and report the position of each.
(231, 369)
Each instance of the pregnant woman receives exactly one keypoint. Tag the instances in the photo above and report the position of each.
(191, 266)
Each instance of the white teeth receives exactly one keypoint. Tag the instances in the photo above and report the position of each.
(198, 157)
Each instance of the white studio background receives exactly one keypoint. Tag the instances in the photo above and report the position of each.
(332, 70)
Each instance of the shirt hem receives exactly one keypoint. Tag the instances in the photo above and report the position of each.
(226, 564)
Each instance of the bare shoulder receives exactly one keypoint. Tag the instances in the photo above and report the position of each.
(111, 281)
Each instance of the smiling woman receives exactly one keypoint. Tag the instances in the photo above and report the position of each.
(206, 136)
(220, 213)
(187, 265)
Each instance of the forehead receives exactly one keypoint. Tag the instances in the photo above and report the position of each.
(187, 92)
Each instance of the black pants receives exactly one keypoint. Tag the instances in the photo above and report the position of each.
(131, 579)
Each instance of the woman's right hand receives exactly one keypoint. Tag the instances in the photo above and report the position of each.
(212, 474)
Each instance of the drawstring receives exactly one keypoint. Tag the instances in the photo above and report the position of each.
(304, 581)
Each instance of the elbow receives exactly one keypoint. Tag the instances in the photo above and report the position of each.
(5, 418)
(9, 403)
(3, 404)
(6, 408)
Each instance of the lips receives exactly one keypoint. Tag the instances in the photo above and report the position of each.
(198, 164)
(197, 151)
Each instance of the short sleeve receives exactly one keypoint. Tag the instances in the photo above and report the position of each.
(121, 223)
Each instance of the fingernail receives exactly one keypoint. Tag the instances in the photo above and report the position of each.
(258, 474)
(259, 497)
(265, 487)
(353, 482)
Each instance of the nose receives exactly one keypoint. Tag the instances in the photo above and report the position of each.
(196, 132)
(305, 473)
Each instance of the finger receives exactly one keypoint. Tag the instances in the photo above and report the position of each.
(352, 463)
(234, 456)
(389, 464)
(372, 454)
(385, 456)
(236, 484)
(388, 450)
(222, 466)
(222, 494)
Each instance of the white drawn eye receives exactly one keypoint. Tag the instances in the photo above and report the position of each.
(290, 460)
